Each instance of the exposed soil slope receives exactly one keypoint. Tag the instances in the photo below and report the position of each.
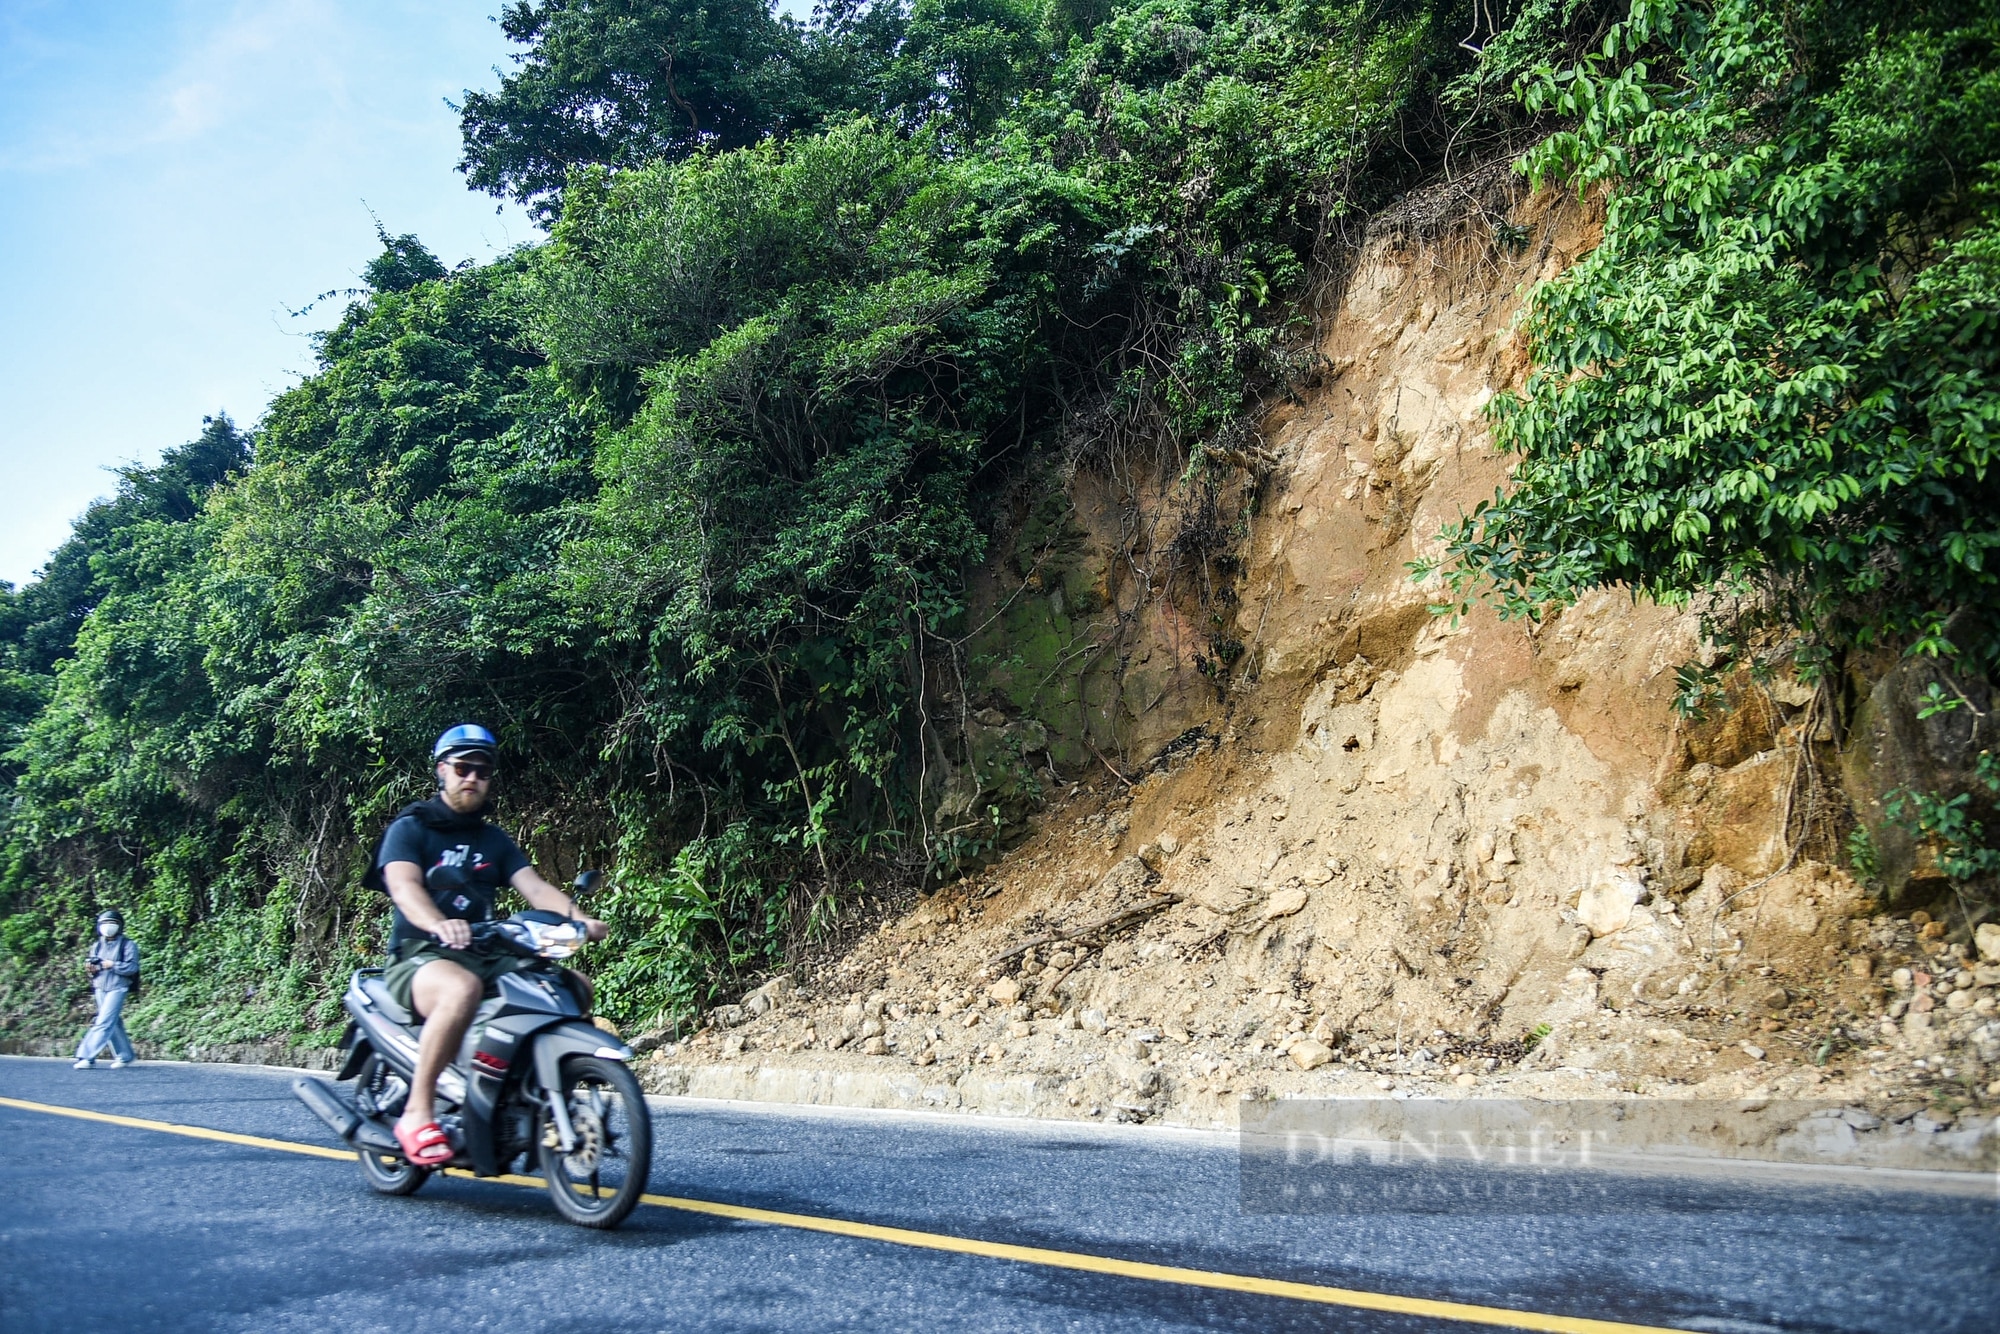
(1397, 850)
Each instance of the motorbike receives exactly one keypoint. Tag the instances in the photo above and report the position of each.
(533, 1082)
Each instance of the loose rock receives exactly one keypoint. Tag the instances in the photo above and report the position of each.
(1310, 1055)
(1607, 905)
(1284, 903)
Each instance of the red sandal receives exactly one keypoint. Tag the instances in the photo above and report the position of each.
(426, 1146)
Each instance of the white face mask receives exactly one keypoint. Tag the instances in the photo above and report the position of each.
(107, 929)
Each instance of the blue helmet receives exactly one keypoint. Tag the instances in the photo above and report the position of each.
(464, 739)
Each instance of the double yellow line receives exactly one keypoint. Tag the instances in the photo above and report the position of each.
(1355, 1298)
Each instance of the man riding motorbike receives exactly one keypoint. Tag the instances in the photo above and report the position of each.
(433, 973)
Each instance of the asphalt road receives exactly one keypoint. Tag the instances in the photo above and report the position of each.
(118, 1228)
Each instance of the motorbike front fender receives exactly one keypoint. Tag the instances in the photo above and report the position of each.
(559, 1042)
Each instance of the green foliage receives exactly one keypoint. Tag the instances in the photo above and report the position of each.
(826, 342)
(1935, 701)
(1863, 857)
(621, 83)
(1955, 828)
(962, 63)
(1777, 372)
(689, 930)
(25, 935)
(403, 263)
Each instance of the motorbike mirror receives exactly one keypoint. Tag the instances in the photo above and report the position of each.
(442, 878)
(588, 883)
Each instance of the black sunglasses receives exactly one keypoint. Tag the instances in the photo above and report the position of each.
(472, 769)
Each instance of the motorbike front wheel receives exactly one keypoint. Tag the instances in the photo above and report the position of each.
(391, 1175)
(599, 1181)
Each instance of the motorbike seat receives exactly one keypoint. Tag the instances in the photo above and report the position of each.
(379, 996)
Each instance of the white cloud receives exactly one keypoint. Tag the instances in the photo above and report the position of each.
(223, 63)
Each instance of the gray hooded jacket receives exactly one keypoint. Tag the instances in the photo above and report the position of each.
(120, 959)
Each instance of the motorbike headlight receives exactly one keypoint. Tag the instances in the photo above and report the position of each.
(556, 942)
(517, 933)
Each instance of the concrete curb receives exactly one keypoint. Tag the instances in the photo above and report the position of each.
(275, 1054)
(1787, 1136)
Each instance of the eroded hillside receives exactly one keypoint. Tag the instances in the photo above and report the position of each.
(1396, 850)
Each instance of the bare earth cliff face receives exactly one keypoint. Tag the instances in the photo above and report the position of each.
(1395, 852)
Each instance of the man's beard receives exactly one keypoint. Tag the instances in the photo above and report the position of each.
(465, 800)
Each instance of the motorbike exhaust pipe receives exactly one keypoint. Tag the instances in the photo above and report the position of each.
(327, 1106)
(343, 1120)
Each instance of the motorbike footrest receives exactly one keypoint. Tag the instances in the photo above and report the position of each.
(374, 1137)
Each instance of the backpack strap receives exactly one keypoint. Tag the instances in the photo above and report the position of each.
(372, 877)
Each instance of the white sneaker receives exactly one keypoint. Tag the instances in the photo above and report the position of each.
(83, 1064)
(120, 1063)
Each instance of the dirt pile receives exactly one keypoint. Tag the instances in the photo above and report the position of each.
(1396, 851)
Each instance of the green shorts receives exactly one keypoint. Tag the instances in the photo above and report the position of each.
(488, 968)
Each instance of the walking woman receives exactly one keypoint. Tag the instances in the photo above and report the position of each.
(114, 971)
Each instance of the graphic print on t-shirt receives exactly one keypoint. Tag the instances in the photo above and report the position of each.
(471, 861)
(488, 857)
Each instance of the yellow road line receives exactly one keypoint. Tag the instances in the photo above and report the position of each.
(192, 1132)
(1463, 1312)
(1356, 1298)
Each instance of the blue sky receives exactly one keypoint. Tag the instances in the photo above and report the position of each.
(175, 175)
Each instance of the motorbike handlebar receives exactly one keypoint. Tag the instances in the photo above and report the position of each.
(508, 936)
(483, 933)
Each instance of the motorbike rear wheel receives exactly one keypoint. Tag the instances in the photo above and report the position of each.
(391, 1175)
(600, 1180)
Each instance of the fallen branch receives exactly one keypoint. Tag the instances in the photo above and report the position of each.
(1115, 773)
(1116, 918)
(1049, 984)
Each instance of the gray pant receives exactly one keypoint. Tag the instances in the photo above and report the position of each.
(109, 1030)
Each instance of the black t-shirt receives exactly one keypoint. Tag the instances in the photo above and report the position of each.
(431, 834)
